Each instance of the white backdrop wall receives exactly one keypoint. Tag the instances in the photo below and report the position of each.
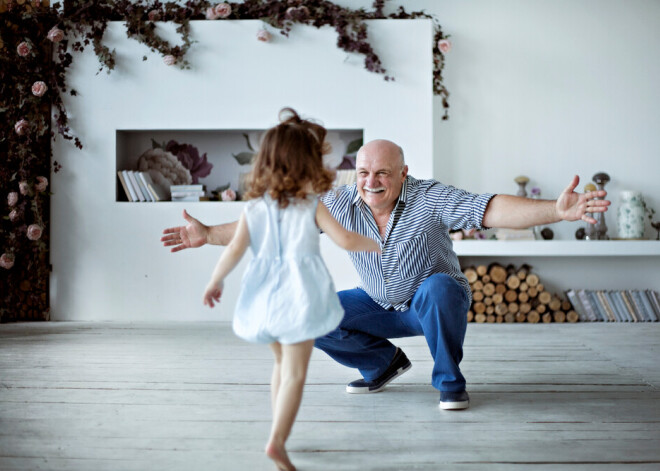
(108, 263)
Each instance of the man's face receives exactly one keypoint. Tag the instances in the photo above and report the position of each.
(380, 175)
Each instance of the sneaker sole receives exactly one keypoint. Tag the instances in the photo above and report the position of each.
(399, 372)
(458, 405)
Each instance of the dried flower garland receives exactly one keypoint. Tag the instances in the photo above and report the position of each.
(37, 42)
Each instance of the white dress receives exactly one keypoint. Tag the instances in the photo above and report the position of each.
(287, 294)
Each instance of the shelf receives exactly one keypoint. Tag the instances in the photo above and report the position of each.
(558, 248)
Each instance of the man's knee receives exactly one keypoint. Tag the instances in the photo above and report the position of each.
(443, 291)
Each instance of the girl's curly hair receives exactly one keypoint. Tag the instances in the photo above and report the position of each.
(289, 163)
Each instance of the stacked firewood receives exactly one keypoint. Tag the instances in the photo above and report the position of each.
(510, 294)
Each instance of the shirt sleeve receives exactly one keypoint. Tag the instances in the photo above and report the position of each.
(456, 208)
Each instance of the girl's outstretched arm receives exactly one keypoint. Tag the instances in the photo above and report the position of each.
(228, 260)
(347, 240)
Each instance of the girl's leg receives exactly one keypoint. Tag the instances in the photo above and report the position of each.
(293, 371)
(275, 377)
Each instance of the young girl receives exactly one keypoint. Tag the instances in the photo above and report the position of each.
(287, 297)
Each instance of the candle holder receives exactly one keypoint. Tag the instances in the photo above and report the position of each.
(600, 228)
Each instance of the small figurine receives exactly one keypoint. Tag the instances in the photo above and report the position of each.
(521, 181)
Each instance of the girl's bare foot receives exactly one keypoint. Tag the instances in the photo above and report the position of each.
(279, 456)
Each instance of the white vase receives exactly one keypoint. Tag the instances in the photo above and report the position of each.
(630, 215)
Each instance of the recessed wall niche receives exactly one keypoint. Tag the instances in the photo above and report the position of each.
(227, 152)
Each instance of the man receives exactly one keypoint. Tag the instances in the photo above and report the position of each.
(415, 287)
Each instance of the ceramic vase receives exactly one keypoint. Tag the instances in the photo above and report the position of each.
(630, 215)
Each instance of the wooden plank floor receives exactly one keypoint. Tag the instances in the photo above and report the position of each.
(180, 396)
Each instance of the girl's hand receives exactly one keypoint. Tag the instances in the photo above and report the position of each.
(213, 293)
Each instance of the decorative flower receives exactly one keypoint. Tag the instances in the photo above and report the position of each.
(480, 236)
(263, 35)
(169, 59)
(228, 195)
(13, 215)
(34, 231)
(153, 15)
(7, 260)
(444, 45)
(23, 49)
(211, 14)
(39, 88)
(535, 191)
(188, 155)
(458, 235)
(42, 184)
(24, 188)
(166, 165)
(55, 34)
(12, 199)
(21, 127)
(222, 10)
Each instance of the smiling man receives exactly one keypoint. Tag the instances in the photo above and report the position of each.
(415, 286)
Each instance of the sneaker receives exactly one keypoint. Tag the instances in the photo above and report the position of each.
(454, 400)
(400, 364)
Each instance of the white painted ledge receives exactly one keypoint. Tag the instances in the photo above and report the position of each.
(558, 248)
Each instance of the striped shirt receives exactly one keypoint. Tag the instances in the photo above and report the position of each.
(416, 244)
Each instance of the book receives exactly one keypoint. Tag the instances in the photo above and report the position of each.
(655, 300)
(620, 308)
(185, 198)
(577, 305)
(127, 192)
(135, 185)
(600, 312)
(143, 187)
(584, 298)
(514, 234)
(187, 193)
(605, 304)
(129, 184)
(639, 305)
(648, 306)
(195, 187)
(629, 305)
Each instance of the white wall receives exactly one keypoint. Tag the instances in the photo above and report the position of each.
(108, 263)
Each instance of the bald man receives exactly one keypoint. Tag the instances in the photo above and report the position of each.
(415, 286)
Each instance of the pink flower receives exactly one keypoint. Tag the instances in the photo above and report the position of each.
(55, 34)
(23, 49)
(458, 235)
(39, 88)
(12, 199)
(211, 14)
(21, 127)
(228, 195)
(263, 35)
(24, 188)
(13, 215)
(444, 45)
(34, 231)
(153, 15)
(169, 59)
(222, 10)
(42, 184)
(6, 260)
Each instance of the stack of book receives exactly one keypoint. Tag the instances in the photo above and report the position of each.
(187, 192)
(615, 305)
(514, 234)
(139, 186)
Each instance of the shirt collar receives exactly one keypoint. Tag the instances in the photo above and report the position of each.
(403, 196)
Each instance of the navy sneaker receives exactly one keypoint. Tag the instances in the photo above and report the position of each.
(400, 364)
(454, 400)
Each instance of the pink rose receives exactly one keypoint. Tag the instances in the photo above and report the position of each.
(39, 88)
(21, 127)
(24, 188)
(169, 59)
(222, 10)
(228, 195)
(153, 15)
(444, 45)
(13, 215)
(211, 14)
(55, 34)
(34, 231)
(12, 199)
(263, 35)
(6, 260)
(23, 49)
(42, 184)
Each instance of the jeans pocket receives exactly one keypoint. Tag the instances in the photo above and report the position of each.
(413, 256)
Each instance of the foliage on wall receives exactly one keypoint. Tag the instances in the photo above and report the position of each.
(38, 43)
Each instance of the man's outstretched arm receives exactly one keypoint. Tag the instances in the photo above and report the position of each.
(516, 212)
(195, 234)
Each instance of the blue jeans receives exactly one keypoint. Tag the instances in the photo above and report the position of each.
(438, 311)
